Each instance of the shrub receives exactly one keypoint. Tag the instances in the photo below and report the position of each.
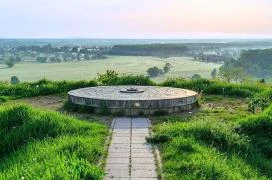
(196, 77)
(260, 101)
(14, 80)
(10, 64)
(112, 78)
(258, 124)
(154, 71)
(217, 87)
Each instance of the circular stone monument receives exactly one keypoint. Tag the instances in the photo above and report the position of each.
(134, 100)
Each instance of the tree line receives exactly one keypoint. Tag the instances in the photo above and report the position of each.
(256, 63)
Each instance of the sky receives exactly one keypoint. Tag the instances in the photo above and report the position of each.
(136, 19)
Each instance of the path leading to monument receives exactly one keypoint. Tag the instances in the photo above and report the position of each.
(129, 155)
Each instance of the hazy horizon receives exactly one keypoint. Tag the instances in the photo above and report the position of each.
(123, 19)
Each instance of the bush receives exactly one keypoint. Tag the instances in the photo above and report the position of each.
(14, 80)
(196, 77)
(260, 101)
(154, 71)
(112, 78)
(217, 87)
(10, 64)
(258, 124)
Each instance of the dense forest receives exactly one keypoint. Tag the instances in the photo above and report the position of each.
(162, 50)
(256, 63)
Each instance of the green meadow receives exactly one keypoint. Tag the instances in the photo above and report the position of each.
(83, 70)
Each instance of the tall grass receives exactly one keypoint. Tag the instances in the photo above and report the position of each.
(42, 87)
(217, 87)
(45, 87)
(260, 101)
(37, 144)
(215, 145)
(208, 149)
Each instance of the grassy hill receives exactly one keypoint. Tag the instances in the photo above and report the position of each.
(228, 137)
(37, 144)
(217, 142)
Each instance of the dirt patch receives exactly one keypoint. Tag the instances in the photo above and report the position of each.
(55, 103)
(52, 102)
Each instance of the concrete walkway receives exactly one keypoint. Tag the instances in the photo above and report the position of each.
(129, 156)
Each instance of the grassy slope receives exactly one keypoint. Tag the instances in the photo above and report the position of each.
(47, 145)
(215, 143)
(83, 70)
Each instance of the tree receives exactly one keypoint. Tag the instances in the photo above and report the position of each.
(41, 59)
(18, 59)
(12, 59)
(52, 59)
(109, 76)
(238, 74)
(14, 80)
(74, 50)
(154, 71)
(196, 77)
(225, 73)
(78, 56)
(58, 59)
(10, 64)
(87, 57)
(214, 74)
(167, 67)
(229, 73)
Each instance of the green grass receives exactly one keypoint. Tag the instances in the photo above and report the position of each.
(41, 87)
(216, 142)
(84, 70)
(37, 144)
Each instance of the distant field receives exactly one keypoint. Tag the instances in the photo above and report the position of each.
(32, 71)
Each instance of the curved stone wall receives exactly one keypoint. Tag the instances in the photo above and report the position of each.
(139, 100)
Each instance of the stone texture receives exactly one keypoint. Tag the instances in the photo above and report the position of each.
(142, 173)
(151, 100)
(118, 160)
(130, 156)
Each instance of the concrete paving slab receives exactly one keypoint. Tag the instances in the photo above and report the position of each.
(141, 146)
(121, 135)
(142, 151)
(143, 166)
(125, 131)
(118, 160)
(117, 166)
(138, 140)
(143, 160)
(142, 155)
(129, 155)
(119, 154)
(119, 173)
(119, 150)
(140, 173)
(143, 178)
(119, 146)
(120, 140)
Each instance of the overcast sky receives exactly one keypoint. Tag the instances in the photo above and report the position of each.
(136, 18)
